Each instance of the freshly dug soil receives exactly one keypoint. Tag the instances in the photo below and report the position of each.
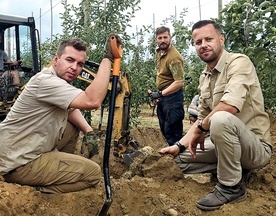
(152, 186)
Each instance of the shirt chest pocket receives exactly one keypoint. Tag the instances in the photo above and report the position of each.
(206, 97)
(218, 94)
(212, 99)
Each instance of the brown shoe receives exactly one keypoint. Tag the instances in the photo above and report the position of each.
(221, 195)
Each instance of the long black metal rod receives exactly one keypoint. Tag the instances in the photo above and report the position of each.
(109, 129)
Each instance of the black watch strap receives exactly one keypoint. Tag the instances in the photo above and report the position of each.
(199, 125)
(181, 147)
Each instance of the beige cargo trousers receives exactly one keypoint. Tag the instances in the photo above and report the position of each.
(60, 170)
(231, 147)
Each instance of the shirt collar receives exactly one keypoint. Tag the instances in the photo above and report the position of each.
(220, 65)
(51, 68)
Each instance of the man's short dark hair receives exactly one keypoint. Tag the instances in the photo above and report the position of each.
(202, 23)
(162, 29)
(77, 43)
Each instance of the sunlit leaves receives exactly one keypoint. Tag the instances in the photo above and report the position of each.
(249, 27)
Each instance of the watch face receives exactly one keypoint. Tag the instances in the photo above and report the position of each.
(199, 123)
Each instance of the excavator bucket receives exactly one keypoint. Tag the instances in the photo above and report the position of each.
(128, 159)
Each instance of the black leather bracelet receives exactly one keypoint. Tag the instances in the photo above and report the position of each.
(181, 147)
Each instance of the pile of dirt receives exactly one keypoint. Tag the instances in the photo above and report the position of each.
(155, 186)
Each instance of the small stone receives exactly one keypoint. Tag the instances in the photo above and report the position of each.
(172, 212)
(268, 178)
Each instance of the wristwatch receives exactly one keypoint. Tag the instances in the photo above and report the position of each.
(199, 125)
(181, 147)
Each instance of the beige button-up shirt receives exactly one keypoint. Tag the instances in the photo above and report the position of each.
(36, 121)
(234, 81)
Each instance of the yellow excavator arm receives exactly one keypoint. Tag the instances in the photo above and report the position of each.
(124, 145)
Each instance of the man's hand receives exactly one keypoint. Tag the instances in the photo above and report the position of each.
(196, 138)
(155, 95)
(19, 62)
(108, 50)
(89, 145)
(172, 150)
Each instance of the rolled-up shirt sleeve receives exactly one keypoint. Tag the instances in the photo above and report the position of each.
(240, 76)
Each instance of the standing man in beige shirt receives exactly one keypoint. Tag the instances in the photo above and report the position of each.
(231, 110)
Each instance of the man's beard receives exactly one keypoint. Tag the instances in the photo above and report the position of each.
(210, 58)
(162, 47)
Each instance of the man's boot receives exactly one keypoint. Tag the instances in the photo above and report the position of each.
(221, 195)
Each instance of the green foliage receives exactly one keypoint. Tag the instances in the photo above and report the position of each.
(94, 20)
(193, 68)
(141, 69)
(249, 28)
(48, 49)
(26, 56)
